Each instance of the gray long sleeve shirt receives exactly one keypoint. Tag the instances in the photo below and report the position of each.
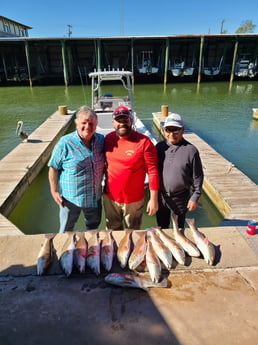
(180, 168)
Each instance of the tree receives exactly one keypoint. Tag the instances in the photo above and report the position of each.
(247, 26)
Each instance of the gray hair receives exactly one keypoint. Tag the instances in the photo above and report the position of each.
(84, 110)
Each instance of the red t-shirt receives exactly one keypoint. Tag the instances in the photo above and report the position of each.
(128, 160)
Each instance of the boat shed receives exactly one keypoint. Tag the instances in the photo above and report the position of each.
(162, 59)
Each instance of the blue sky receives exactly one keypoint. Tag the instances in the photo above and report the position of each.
(97, 18)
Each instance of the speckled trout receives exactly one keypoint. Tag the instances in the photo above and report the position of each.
(161, 250)
(175, 248)
(139, 251)
(45, 256)
(205, 246)
(93, 255)
(184, 242)
(124, 248)
(107, 251)
(153, 262)
(80, 251)
(133, 281)
(66, 258)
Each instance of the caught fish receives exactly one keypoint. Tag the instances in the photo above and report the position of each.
(129, 280)
(176, 250)
(184, 242)
(205, 246)
(66, 259)
(45, 256)
(80, 252)
(107, 251)
(161, 250)
(93, 255)
(152, 262)
(124, 248)
(139, 251)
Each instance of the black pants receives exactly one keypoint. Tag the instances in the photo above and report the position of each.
(176, 204)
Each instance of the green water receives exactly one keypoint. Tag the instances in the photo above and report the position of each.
(218, 114)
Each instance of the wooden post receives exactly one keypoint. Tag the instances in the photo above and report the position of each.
(28, 61)
(62, 109)
(200, 60)
(166, 64)
(164, 110)
(64, 63)
(234, 62)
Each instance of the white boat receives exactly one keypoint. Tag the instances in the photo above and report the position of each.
(245, 67)
(213, 70)
(180, 69)
(146, 65)
(105, 103)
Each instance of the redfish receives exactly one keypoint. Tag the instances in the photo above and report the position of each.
(184, 242)
(161, 250)
(107, 251)
(66, 259)
(153, 262)
(133, 281)
(45, 256)
(80, 252)
(124, 248)
(175, 248)
(205, 246)
(139, 251)
(93, 255)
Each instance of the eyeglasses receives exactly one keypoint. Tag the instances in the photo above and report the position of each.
(174, 131)
(122, 112)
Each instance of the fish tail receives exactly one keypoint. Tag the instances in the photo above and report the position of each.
(190, 221)
(163, 283)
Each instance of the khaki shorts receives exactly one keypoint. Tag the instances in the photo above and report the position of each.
(123, 216)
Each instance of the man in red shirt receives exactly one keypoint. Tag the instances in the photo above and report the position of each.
(129, 156)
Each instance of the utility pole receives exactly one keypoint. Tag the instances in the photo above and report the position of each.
(221, 28)
(69, 30)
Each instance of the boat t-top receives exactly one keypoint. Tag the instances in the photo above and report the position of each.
(105, 102)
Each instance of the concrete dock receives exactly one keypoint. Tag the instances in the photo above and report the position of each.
(202, 305)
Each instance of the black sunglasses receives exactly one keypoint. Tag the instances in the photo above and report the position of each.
(175, 131)
(122, 112)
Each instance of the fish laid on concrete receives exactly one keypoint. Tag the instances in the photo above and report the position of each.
(161, 250)
(45, 256)
(175, 248)
(66, 258)
(107, 250)
(133, 281)
(80, 251)
(188, 246)
(138, 254)
(153, 262)
(124, 248)
(93, 255)
(205, 246)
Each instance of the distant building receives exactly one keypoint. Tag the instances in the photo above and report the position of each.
(10, 28)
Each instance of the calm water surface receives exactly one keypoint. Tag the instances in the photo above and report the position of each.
(220, 115)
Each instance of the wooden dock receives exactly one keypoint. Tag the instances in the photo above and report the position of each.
(22, 165)
(230, 190)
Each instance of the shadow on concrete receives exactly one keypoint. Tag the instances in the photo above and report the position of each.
(79, 310)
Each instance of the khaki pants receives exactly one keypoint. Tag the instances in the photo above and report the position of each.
(123, 216)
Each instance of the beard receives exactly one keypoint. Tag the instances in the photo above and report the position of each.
(123, 130)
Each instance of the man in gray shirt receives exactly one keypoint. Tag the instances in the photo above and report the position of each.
(180, 173)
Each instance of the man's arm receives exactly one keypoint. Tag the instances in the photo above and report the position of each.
(53, 176)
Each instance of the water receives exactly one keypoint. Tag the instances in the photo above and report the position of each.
(218, 114)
